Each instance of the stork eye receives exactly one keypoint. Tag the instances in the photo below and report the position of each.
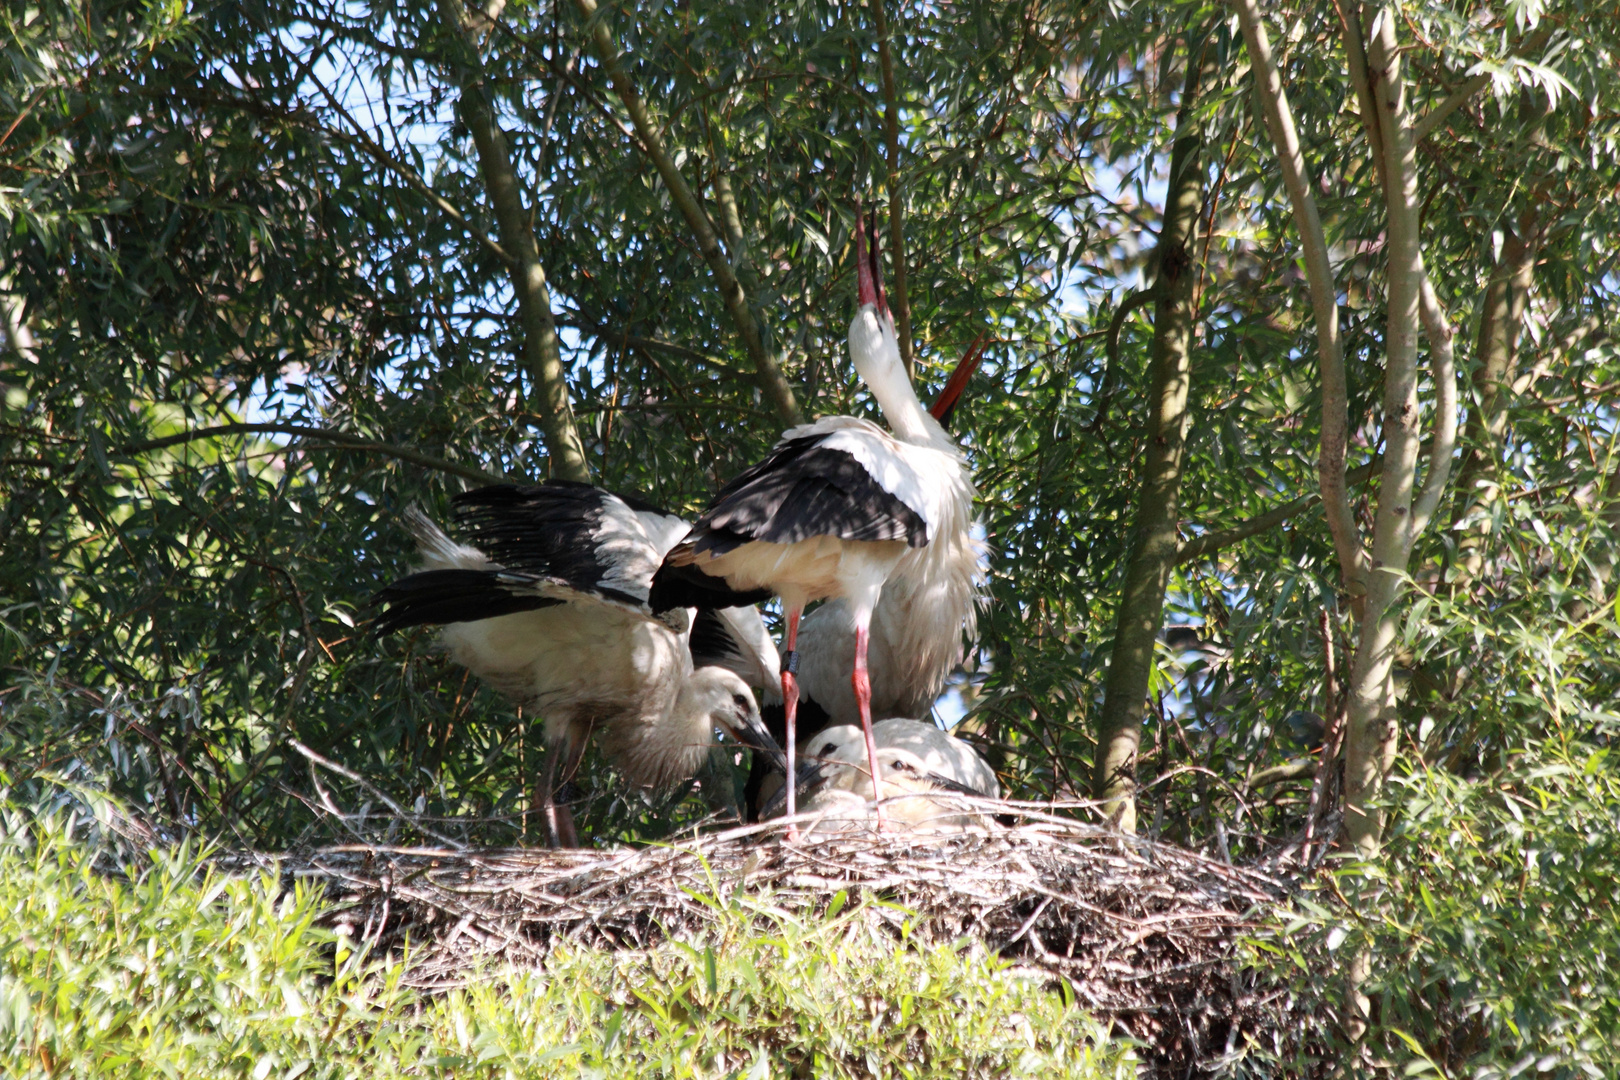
(741, 701)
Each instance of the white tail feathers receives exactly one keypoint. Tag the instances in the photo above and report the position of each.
(438, 551)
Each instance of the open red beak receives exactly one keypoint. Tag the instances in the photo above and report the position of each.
(868, 269)
(945, 404)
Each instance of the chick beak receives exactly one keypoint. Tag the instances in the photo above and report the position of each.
(749, 730)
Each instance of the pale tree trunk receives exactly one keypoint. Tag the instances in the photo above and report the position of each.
(1154, 542)
(1402, 510)
(541, 355)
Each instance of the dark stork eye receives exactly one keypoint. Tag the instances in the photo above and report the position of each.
(741, 701)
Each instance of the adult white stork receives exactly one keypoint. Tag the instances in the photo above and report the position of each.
(911, 650)
(550, 608)
(837, 509)
(921, 767)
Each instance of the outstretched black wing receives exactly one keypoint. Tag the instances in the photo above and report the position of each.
(590, 539)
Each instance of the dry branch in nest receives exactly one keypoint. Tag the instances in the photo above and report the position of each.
(1145, 933)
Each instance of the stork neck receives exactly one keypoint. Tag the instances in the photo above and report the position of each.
(907, 418)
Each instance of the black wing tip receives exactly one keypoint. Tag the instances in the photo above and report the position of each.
(493, 497)
(440, 597)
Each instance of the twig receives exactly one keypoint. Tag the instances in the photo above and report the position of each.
(374, 792)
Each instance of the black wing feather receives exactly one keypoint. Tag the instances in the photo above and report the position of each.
(549, 530)
(802, 490)
(438, 597)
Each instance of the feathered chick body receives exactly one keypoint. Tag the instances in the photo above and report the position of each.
(550, 609)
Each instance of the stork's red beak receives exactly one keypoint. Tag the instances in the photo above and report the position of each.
(868, 270)
(945, 404)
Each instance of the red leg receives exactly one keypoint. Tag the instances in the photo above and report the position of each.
(863, 699)
(790, 708)
(559, 818)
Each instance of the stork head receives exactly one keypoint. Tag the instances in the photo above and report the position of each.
(872, 342)
(728, 704)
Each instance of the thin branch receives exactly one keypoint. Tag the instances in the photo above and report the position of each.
(1443, 370)
(899, 297)
(374, 792)
(1432, 119)
(1355, 50)
(1111, 344)
(1211, 542)
(1324, 303)
(1592, 325)
(410, 175)
(773, 384)
(338, 439)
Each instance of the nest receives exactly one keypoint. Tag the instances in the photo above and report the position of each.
(1144, 933)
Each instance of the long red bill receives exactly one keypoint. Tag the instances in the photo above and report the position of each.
(946, 403)
(865, 290)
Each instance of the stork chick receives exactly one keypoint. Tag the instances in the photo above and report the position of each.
(550, 609)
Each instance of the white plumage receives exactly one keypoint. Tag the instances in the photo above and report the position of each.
(551, 610)
(925, 771)
(845, 511)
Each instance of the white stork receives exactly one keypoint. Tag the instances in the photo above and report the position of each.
(912, 649)
(550, 608)
(839, 508)
(923, 764)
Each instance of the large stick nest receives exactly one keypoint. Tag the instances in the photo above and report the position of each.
(1145, 933)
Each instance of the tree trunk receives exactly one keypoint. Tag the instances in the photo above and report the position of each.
(1153, 541)
(1371, 730)
(541, 355)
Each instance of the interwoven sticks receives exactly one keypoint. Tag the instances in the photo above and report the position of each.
(1144, 933)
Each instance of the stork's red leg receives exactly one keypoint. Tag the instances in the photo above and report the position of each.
(863, 699)
(790, 709)
(559, 818)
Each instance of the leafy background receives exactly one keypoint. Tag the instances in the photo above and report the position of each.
(264, 218)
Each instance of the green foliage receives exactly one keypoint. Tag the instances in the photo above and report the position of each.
(1491, 921)
(146, 964)
(1499, 941)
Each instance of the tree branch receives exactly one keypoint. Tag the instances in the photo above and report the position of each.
(899, 297)
(1443, 370)
(541, 354)
(772, 383)
(338, 439)
(1211, 542)
(1111, 348)
(1432, 119)
(1324, 301)
(410, 175)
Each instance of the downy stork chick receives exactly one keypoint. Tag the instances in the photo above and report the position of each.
(922, 768)
(834, 511)
(550, 609)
